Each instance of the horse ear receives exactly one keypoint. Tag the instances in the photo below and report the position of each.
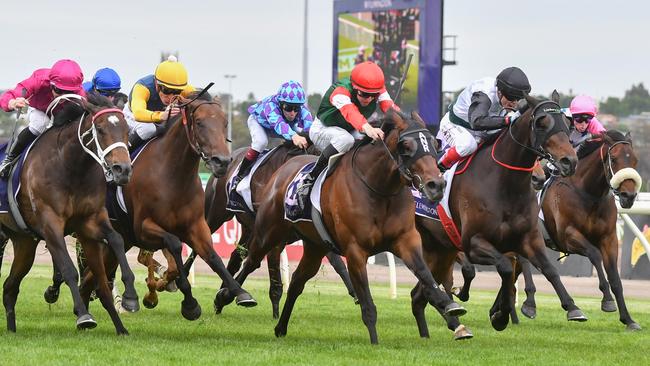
(555, 96)
(418, 119)
(608, 140)
(628, 137)
(397, 119)
(88, 106)
(531, 100)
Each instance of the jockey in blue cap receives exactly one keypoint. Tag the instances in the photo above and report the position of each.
(105, 82)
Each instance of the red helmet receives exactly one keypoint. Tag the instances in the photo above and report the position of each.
(66, 75)
(367, 77)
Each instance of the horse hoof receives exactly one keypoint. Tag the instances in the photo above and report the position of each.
(246, 300)
(123, 332)
(453, 309)
(529, 312)
(499, 322)
(462, 332)
(633, 327)
(148, 303)
(608, 306)
(191, 311)
(51, 295)
(86, 321)
(576, 316)
(130, 305)
(222, 299)
(280, 331)
(171, 287)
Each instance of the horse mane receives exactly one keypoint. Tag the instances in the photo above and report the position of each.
(71, 111)
(592, 145)
(99, 100)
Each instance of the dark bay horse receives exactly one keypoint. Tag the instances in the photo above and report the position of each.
(165, 197)
(63, 190)
(580, 213)
(216, 215)
(499, 214)
(367, 208)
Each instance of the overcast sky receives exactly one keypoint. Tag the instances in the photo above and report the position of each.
(595, 47)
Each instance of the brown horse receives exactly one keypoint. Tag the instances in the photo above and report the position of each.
(499, 215)
(63, 190)
(216, 215)
(367, 208)
(165, 197)
(580, 214)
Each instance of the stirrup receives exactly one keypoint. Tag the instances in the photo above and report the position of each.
(5, 168)
(304, 191)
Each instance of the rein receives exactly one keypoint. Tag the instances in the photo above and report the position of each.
(100, 156)
(607, 164)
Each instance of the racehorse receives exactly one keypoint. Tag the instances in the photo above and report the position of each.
(580, 214)
(63, 190)
(165, 197)
(499, 214)
(216, 215)
(367, 208)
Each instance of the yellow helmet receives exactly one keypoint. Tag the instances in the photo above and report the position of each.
(171, 74)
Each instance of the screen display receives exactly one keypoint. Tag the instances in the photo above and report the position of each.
(387, 38)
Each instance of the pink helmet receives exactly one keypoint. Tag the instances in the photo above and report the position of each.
(583, 104)
(66, 75)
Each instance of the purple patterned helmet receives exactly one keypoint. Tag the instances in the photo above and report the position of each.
(291, 92)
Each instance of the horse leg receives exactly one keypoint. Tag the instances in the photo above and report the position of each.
(150, 299)
(53, 235)
(533, 250)
(607, 304)
(609, 247)
(151, 233)
(516, 265)
(409, 249)
(52, 292)
(24, 253)
(275, 279)
(418, 305)
(168, 275)
(116, 243)
(337, 263)
(307, 268)
(201, 240)
(483, 252)
(529, 307)
(94, 261)
(469, 272)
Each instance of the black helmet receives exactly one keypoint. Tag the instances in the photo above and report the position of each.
(513, 83)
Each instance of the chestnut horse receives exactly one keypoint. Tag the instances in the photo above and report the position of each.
(63, 190)
(580, 214)
(367, 208)
(165, 197)
(499, 214)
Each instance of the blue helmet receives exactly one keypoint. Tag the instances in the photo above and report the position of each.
(107, 79)
(291, 92)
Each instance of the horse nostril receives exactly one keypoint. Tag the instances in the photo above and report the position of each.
(117, 169)
(433, 185)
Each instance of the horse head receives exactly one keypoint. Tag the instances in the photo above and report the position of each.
(206, 126)
(619, 162)
(109, 131)
(416, 149)
(549, 134)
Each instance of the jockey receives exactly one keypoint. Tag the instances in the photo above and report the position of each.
(343, 114)
(283, 114)
(151, 100)
(583, 113)
(37, 92)
(476, 113)
(106, 82)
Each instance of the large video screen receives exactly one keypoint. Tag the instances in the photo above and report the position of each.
(386, 37)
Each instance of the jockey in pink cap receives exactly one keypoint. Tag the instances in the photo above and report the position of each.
(583, 113)
(37, 92)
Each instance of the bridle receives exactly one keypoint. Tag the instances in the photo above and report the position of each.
(542, 110)
(100, 154)
(425, 146)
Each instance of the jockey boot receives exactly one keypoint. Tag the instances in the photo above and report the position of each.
(24, 138)
(246, 164)
(135, 141)
(305, 188)
(448, 160)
